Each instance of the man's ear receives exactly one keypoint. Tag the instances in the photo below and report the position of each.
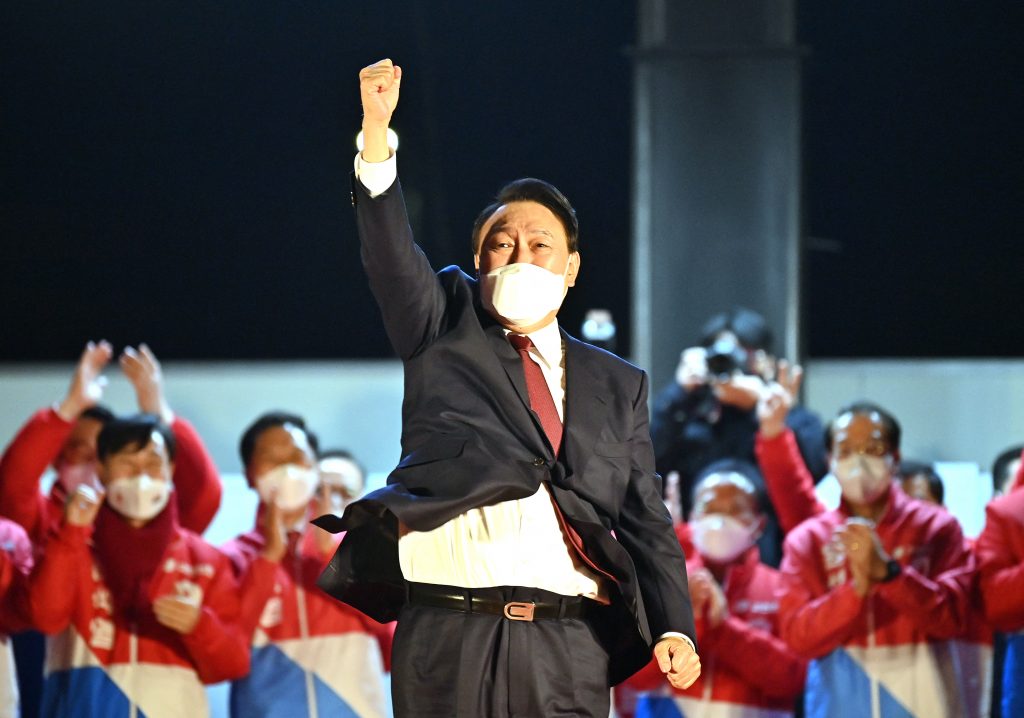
(574, 269)
(476, 264)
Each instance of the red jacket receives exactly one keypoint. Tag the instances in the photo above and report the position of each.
(15, 565)
(789, 484)
(744, 661)
(1000, 551)
(930, 598)
(300, 635)
(36, 447)
(261, 580)
(147, 663)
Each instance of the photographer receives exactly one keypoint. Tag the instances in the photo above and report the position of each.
(709, 412)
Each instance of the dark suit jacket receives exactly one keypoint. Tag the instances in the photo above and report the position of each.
(469, 439)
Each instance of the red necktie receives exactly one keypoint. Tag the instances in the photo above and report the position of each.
(540, 395)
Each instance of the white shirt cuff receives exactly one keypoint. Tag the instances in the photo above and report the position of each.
(377, 177)
(673, 634)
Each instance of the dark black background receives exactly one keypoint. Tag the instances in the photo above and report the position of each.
(177, 172)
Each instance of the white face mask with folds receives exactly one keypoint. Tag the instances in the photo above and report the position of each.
(290, 486)
(139, 497)
(522, 293)
(720, 537)
(863, 478)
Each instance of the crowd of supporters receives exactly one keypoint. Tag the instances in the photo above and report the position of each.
(875, 606)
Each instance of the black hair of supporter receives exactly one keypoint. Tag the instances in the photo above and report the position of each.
(910, 468)
(99, 413)
(133, 433)
(1002, 464)
(750, 328)
(734, 466)
(892, 428)
(251, 435)
(529, 189)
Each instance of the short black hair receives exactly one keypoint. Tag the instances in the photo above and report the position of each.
(734, 466)
(910, 468)
(133, 432)
(99, 413)
(1001, 466)
(247, 445)
(529, 189)
(893, 432)
(750, 328)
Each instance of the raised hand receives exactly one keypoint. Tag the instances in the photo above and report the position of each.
(379, 85)
(143, 371)
(82, 506)
(674, 497)
(775, 403)
(275, 535)
(88, 382)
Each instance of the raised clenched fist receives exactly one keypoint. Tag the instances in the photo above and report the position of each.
(379, 84)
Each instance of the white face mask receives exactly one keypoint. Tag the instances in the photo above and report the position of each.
(721, 538)
(522, 293)
(863, 478)
(71, 476)
(290, 486)
(140, 497)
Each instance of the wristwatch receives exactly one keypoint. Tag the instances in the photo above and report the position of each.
(892, 570)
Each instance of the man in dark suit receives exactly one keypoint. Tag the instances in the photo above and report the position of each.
(522, 541)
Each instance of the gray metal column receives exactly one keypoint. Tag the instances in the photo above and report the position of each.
(716, 174)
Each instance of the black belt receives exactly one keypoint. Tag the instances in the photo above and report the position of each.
(469, 601)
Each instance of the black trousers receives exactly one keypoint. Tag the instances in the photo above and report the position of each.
(449, 663)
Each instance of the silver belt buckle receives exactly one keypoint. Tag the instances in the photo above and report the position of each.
(519, 611)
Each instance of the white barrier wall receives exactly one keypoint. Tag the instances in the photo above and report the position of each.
(951, 410)
(352, 404)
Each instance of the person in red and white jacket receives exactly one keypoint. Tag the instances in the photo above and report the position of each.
(1000, 552)
(875, 590)
(311, 655)
(64, 437)
(749, 672)
(15, 564)
(141, 611)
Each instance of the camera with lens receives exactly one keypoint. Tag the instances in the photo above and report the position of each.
(726, 358)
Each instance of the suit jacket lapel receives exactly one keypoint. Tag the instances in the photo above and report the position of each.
(510, 361)
(585, 405)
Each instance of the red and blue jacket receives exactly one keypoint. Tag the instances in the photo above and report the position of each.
(102, 664)
(747, 671)
(311, 655)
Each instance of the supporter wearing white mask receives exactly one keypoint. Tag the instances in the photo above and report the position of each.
(291, 624)
(280, 463)
(864, 460)
(735, 604)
